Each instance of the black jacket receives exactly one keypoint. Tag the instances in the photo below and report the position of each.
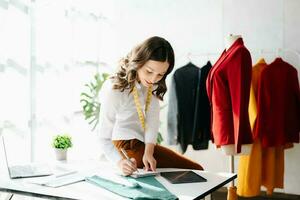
(193, 109)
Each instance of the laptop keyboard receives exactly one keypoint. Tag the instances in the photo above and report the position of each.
(21, 169)
(29, 170)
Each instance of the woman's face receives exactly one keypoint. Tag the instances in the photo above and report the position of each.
(152, 72)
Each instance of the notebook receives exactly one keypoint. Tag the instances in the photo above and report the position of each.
(143, 173)
(177, 177)
(58, 181)
(26, 171)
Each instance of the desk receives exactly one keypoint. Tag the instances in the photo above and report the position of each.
(87, 191)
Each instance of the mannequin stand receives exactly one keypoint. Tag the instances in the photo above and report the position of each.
(231, 193)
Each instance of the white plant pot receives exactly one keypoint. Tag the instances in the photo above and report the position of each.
(61, 154)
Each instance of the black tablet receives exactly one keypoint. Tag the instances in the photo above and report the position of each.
(182, 177)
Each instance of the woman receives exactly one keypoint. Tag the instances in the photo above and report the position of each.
(129, 116)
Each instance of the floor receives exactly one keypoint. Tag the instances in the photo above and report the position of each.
(222, 195)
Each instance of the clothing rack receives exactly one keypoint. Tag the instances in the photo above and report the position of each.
(275, 52)
(206, 55)
(189, 54)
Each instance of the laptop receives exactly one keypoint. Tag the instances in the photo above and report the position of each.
(26, 171)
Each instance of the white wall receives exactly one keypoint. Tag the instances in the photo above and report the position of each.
(199, 27)
(194, 26)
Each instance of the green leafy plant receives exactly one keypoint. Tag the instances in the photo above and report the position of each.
(89, 99)
(159, 138)
(62, 141)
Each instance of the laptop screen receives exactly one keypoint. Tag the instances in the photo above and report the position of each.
(5, 155)
(24, 171)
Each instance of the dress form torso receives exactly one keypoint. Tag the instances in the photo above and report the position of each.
(230, 39)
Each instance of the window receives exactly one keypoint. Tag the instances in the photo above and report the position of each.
(51, 50)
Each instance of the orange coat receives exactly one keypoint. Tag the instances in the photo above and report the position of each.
(264, 166)
(228, 88)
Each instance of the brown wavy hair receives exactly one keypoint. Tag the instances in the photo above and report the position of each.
(154, 48)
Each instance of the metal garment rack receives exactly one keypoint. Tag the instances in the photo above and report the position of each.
(261, 52)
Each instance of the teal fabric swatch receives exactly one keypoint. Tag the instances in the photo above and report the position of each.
(142, 188)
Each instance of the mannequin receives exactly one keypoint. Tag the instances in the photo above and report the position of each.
(230, 148)
(230, 39)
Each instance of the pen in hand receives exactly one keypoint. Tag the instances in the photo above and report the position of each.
(127, 157)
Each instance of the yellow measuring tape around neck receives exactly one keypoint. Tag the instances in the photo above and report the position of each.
(139, 107)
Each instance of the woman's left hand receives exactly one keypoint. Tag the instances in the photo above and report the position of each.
(149, 162)
(148, 159)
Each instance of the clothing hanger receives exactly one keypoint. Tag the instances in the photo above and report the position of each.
(207, 57)
(278, 53)
(188, 55)
(203, 58)
(261, 53)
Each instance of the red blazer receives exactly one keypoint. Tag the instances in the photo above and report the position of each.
(278, 105)
(228, 88)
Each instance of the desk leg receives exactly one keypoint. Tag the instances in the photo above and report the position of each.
(208, 197)
(5, 196)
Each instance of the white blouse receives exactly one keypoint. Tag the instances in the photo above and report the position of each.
(119, 118)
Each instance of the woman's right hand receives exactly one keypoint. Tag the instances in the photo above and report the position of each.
(127, 167)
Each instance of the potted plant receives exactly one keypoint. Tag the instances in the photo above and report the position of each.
(61, 143)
